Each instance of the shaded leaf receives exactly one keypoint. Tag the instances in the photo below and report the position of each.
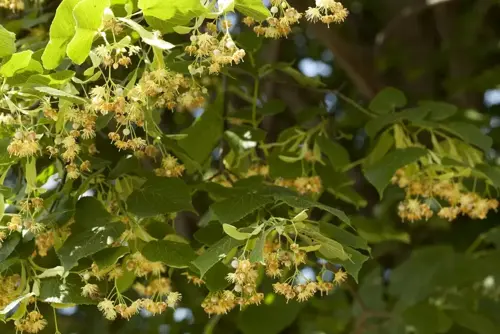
(173, 254)
(470, 134)
(214, 254)
(9, 245)
(204, 135)
(272, 107)
(233, 209)
(109, 256)
(475, 322)
(63, 291)
(342, 236)
(272, 317)
(387, 100)
(215, 278)
(336, 153)
(89, 242)
(439, 110)
(380, 173)
(160, 195)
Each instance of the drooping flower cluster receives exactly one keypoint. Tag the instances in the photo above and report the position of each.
(213, 50)
(458, 201)
(278, 263)
(243, 293)
(283, 17)
(143, 267)
(33, 322)
(24, 144)
(303, 185)
(8, 289)
(13, 5)
(116, 55)
(170, 167)
(280, 23)
(327, 11)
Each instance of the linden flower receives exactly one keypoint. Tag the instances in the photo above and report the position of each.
(340, 277)
(193, 279)
(173, 298)
(90, 290)
(285, 290)
(219, 302)
(449, 213)
(107, 307)
(24, 144)
(32, 323)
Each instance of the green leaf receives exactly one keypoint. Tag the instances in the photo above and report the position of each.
(330, 249)
(439, 111)
(63, 291)
(17, 62)
(205, 134)
(376, 231)
(384, 143)
(61, 94)
(160, 195)
(30, 175)
(380, 173)
(88, 242)
(492, 173)
(475, 322)
(354, 263)
(7, 42)
(90, 213)
(147, 36)
(300, 202)
(62, 30)
(257, 253)
(215, 253)
(9, 245)
(336, 153)
(209, 234)
(52, 79)
(272, 107)
(342, 236)
(349, 195)
(233, 209)
(124, 282)
(470, 134)
(427, 319)
(215, 278)
(88, 19)
(109, 256)
(252, 8)
(2, 206)
(173, 12)
(234, 233)
(173, 254)
(272, 317)
(415, 279)
(374, 126)
(387, 100)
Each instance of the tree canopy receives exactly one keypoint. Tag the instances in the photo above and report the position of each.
(249, 166)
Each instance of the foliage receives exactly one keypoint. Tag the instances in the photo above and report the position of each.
(123, 121)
